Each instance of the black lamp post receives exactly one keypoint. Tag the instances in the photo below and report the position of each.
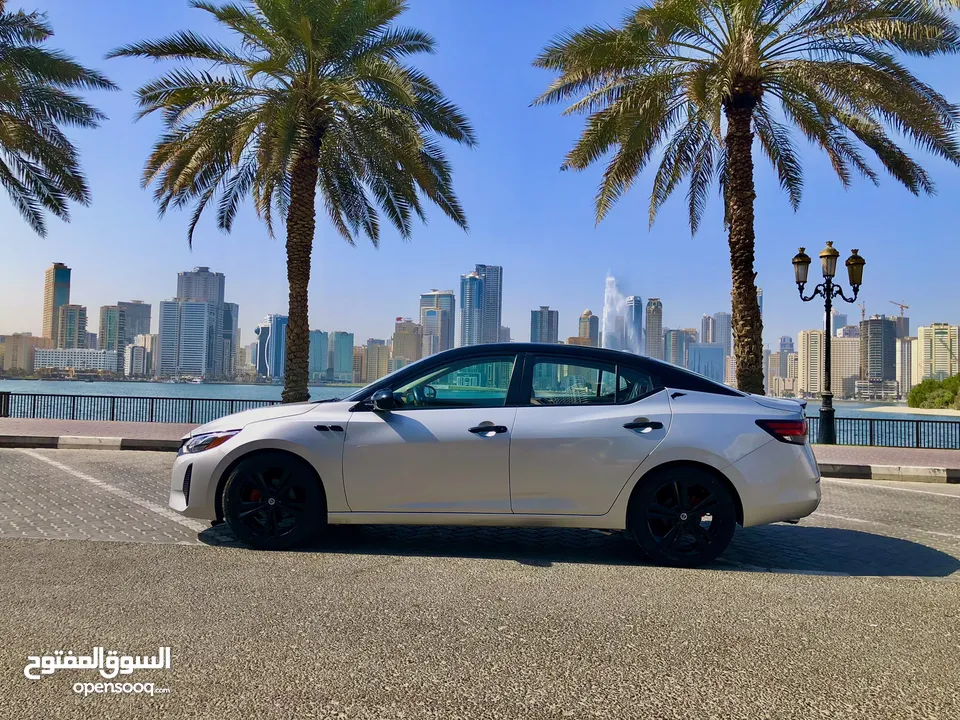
(828, 290)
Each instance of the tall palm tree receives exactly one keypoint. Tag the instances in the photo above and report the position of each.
(315, 95)
(39, 166)
(697, 80)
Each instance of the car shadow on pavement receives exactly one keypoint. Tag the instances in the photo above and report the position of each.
(783, 548)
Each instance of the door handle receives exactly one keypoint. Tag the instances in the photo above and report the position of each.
(484, 429)
(644, 425)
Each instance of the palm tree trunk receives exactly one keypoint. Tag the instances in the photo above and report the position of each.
(301, 223)
(740, 194)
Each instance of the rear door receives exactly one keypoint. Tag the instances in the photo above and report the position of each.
(580, 433)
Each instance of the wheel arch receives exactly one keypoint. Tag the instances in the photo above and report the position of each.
(222, 480)
(674, 464)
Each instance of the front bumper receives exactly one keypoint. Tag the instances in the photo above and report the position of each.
(193, 486)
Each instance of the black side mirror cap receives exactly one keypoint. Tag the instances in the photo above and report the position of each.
(383, 400)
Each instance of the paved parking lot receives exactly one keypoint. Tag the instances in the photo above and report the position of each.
(452, 623)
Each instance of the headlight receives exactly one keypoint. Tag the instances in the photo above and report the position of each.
(199, 443)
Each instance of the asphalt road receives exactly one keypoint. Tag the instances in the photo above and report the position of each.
(858, 618)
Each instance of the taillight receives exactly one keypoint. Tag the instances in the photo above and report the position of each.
(788, 431)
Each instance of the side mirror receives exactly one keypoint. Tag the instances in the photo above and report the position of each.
(383, 400)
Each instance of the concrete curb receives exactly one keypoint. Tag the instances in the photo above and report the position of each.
(900, 473)
(76, 442)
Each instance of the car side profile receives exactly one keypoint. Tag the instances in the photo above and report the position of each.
(511, 434)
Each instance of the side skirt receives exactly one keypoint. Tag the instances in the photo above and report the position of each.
(599, 522)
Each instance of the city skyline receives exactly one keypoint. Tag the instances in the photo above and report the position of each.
(520, 148)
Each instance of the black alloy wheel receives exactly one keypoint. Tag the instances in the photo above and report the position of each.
(684, 517)
(272, 501)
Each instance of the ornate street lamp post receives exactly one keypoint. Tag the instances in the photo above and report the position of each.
(828, 290)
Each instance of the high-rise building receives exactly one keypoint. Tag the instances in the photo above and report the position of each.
(793, 366)
(491, 306)
(654, 324)
(706, 359)
(773, 367)
(359, 364)
(903, 326)
(376, 361)
(765, 366)
(634, 324)
(341, 356)
(203, 285)
(91, 340)
(810, 362)
(837, 321)
(504, 334)
(440, 322)
(544, 325)
(907, 350)
(72, 327)
(786, 347)
(938, 352)
(730, 371)
(707, 326)
(56, 293)
(262, 333)
(471, 309)
(722, 331)
(136, 315)
(230, 338)
(615, 337)
(277, 346)
(319, 355)
(844, 366)
(407, 340)
(878, 349)
(588, 328)
(849, 331)
(149, 343)
(17, 351)
(675, 347)
(135, 360)
(113, 329)
(183, 340)
(760, 300)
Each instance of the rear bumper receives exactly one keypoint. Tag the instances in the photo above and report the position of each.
(777, 482)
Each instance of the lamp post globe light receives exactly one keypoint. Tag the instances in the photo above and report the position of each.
(828, 290)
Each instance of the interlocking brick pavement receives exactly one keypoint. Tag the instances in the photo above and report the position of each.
(862, 528)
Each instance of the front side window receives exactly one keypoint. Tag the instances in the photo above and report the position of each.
(586, 383)
(479, 382)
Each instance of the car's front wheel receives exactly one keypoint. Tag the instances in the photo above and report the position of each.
(683, 516)
(272, 501)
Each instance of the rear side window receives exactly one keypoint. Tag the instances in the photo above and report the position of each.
(633, 384)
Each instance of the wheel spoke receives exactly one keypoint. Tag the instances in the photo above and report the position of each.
(258, 507)
(671, 536)
(294, 508)
(284, 481)
(271, 527)
(704, 506)
(260, 481)
(661, 512)
(701, 537)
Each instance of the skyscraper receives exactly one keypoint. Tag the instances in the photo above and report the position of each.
(185, 329)
(202, 285)
(722, 332)
(136, 317)
(634, 324)
(837, 320)
(706, 359)
(707, 326)
(277, 346)
(675, 347)
(341, 355)
(376, 359)
(810, 362)
(56, 293)
(903, 326)
(491, 306)
(544, 325)
(937, 351)
(878, 358)
(230, 338)
(786, 347)
(112, 335)
(439, 323)
(760, 300)
(654, 338)
(319, 355)
(71, 327)
(907, 348)
(588, 328)
(407, 340)
(471, 309)
(262, 332)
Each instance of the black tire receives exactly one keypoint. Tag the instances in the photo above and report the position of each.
(683, 516)
(273, 501)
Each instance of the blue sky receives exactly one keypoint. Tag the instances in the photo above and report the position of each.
(524, 214)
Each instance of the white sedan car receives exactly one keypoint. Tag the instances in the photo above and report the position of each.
(512, 434)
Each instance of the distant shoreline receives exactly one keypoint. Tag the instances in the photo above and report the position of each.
(900, 409)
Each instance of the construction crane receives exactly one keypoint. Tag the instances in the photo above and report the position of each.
(863, 311)
(901, 306)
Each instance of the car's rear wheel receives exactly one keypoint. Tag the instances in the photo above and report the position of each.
(272, 501)
(684, 516)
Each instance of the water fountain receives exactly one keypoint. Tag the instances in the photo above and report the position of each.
(617, 332)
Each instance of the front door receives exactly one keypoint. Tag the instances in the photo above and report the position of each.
(444, 448)
(581, 433)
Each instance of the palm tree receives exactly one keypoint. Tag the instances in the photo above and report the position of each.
(316, 95)
(698, 79)
(39, 166)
